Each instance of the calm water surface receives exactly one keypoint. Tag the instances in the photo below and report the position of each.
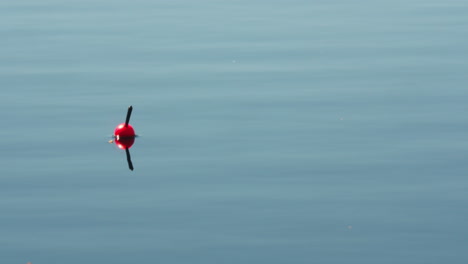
(270, 131)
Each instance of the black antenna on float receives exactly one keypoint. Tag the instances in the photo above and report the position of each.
(129, 113)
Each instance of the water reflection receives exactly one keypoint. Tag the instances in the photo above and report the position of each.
(126, 143)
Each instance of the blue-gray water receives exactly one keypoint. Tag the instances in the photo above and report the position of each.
(270, 131)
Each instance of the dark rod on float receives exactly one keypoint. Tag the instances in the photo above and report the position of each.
(129, 113)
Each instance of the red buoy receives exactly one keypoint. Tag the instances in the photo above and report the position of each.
(122, 131)
(125, 130)
(124, 135)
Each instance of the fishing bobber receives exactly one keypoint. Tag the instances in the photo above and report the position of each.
(124, 135)
(124, 130)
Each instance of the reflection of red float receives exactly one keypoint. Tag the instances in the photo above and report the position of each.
(124, 142)
(124, 135)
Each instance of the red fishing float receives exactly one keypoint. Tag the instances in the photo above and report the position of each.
(124, 135)
(124, 131)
